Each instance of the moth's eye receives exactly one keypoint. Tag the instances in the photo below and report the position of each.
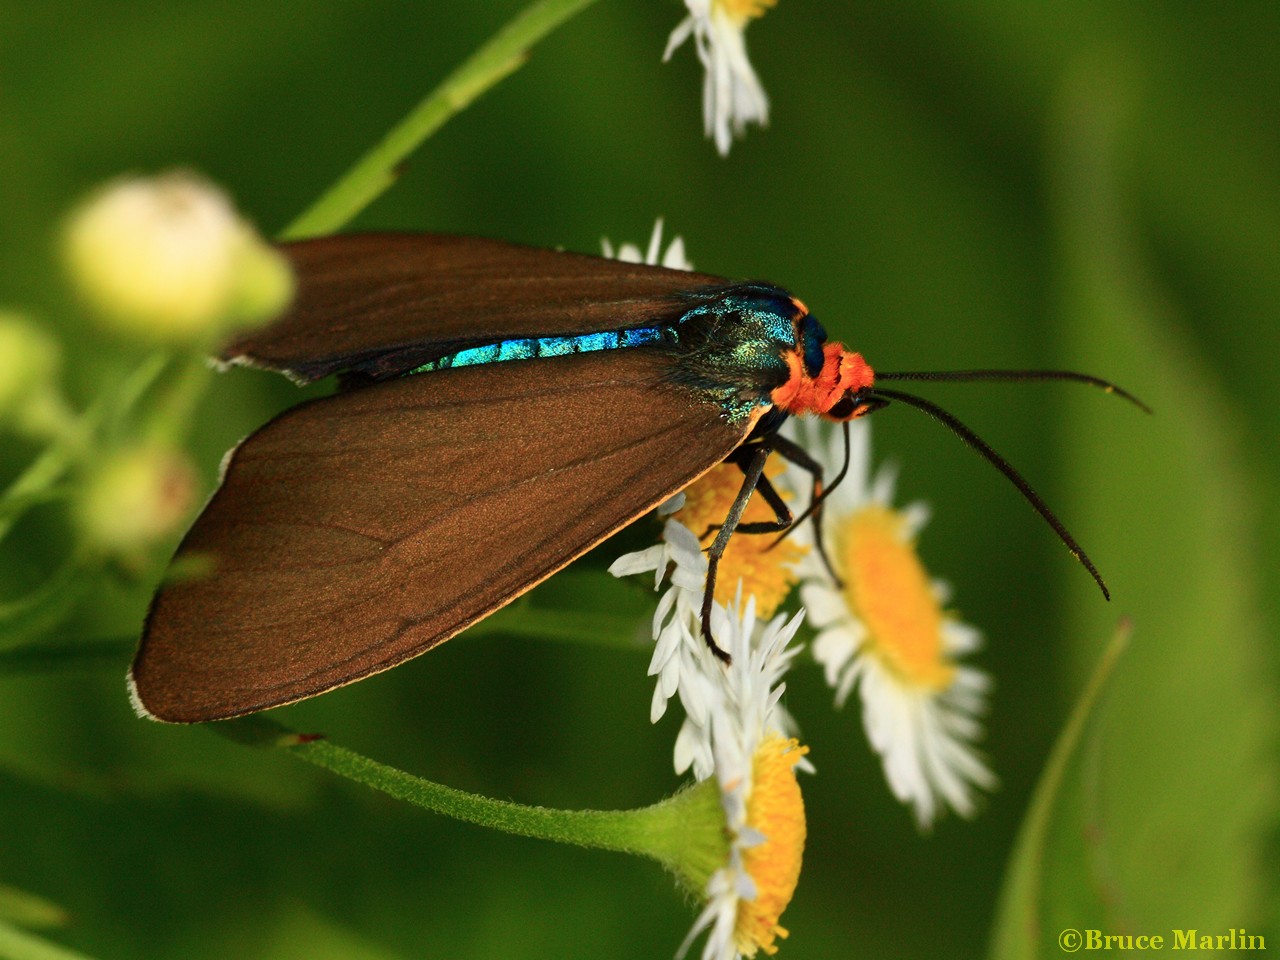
(844, 408)
(814, 337)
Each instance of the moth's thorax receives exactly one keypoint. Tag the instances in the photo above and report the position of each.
(730, 342)
(755, 345)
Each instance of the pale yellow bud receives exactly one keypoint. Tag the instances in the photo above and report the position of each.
(263, 283)
(135, 497)
(29, 361)
(167, 258)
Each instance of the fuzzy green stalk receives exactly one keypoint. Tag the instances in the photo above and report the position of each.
(504, 53)
(685, 832)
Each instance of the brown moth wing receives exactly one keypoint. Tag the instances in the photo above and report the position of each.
(356, 531)
(360, 295)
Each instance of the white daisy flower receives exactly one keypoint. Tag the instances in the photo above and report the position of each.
(755, 764)
(673, 259)
(886, 631)
(681, 660)
(681, 663)
(732, 95)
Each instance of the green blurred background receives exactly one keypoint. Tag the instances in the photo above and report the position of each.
(947, 185)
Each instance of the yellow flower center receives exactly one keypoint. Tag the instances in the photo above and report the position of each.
(889, 590)
(740, 11)
(776, 809)
(766, 571)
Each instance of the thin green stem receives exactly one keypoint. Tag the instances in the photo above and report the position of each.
(49, 417)
(13, 506)
(673, 831)
(74, 441)
(172, 415)
(28, 487)
(505, 52)
(117, 410)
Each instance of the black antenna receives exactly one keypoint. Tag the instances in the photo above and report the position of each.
(1014, 375)
(1000, 463)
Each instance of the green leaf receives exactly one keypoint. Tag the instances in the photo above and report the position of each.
(1169, 823)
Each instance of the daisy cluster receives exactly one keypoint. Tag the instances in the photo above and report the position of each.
(882, 629)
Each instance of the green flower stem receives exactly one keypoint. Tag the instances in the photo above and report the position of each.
(49, 417)
(73, 440)
(377, 170)
(29, 486)
(685, 832)
(116, 410)
(172, 414)
(13, 506)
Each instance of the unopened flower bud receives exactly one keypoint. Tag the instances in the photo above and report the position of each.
(263, 285)
(136, 497)
(29, 361)
(167, 258)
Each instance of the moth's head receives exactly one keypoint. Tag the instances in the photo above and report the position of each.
(853, 403)
(839, 389)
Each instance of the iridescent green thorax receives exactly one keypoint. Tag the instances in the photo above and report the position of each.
(733, 346)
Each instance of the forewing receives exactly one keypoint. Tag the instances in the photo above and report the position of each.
(359, 530)
(363, 296)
